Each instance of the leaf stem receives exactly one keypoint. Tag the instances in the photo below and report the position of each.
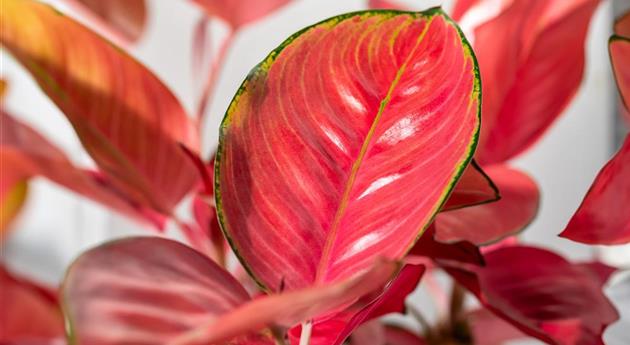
(305, 336)
(213, 76)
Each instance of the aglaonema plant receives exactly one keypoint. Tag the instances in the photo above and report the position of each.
(343, 176)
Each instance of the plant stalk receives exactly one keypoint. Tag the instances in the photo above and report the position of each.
(305, 336)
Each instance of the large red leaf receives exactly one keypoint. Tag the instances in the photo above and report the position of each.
(126, 18)
(240, 12)
(334, 330)
(603, 216)
(487, 223)
(127, 120)
(527, 80)
(343, 144)
(29, 313)
(542, 294)
(132, 290)
(25, 153)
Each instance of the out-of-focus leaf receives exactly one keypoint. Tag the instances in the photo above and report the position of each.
(527, 81)
(599, 270)
(322, 169)
(25, 153)
(461, 7)
(473, 188)
(541, 293)
(399, 336)
(384, 4)
(12, 197)
(334, 330)
(619, 293)
(603, 216)
(126, 17)
(372, 332)
(29, 312)
(489, 329)
(487, 223)
(622, 25)
(152, 290)
(127, 120)
(619, 48)
(239, 13)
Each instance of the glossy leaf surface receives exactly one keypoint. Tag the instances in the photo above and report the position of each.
(603, 216)
(127, 120)
(30, 313)
(542, 294)
(240, 12)
(487, 223)
(139, 298)
(127, 17)
(528, 84)
(25, 153)
(322, 169)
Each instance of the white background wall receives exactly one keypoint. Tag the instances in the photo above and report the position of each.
(56, 225)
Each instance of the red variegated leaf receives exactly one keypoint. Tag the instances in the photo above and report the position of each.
(334, 330)
(399, 336)
(240, 12)
(489, 329)
(527, 81)
(384, 4)
(29, 313)
(145, 291)
(152, 290)
(603, 216)
(540, 293)
(343, 144)
(126, 18)
(127, 120)
(484, 224)
(473, 188)
(25, 153)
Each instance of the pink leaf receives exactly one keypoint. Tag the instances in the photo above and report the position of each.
(473, 188)
(527, 81)
(484, 224)
(322, 169)
(125, 117)
(603, 216)
(239, 13)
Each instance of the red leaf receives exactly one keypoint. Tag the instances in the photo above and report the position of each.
(239, 13)
(527, 81)
(127, 120)
(297, 193)
(603, 216)
(139, 299)
(127, 18)
(400, 336)
(462, 251)
(461, 7)
(484, 224)
(540, 293)
(473, 188)
(489, 329)
(619, 47)
(30, 312)
(13, 191)
(25, 153)
(622, 25)
(334, 330)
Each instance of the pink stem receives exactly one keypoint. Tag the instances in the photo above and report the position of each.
(208, 90)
